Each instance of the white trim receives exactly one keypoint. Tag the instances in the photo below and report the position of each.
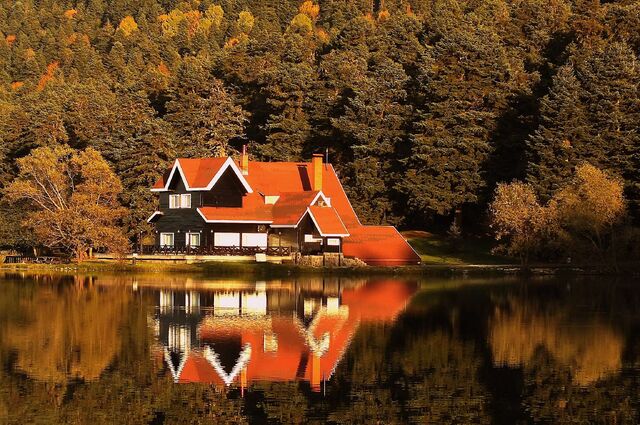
(173, 237)
(407, 242)
(344, 235)
(233, 221)
(228, 163)
(153, 215)
(284, 226)
(214, 360)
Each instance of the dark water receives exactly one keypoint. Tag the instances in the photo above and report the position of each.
(161, 350)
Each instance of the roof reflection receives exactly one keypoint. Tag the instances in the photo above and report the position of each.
(238, 333)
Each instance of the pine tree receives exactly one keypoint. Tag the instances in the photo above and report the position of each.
(554, 147)
(205, 116)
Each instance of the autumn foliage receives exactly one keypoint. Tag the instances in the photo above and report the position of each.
(71, 200)
(587, 209)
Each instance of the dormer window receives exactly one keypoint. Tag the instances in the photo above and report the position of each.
(180, 201)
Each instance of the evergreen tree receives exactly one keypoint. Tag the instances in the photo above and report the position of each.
(204, 115)
(562, 131)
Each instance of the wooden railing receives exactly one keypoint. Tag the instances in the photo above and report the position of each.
(15, 259)
(216, 250)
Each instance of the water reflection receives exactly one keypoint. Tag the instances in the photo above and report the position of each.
(167, 349)
(591, 349)
(299, 331)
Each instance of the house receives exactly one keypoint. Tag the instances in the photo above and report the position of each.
(214, 206)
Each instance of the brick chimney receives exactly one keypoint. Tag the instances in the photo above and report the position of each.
(244, 161)
(316, 171)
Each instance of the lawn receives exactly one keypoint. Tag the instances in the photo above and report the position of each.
(437, 249)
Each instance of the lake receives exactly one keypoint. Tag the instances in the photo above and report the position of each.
(167, 349)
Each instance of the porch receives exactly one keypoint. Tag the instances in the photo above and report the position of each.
(246, 251)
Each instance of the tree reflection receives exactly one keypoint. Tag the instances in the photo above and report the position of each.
(590, 350)
(67, 332)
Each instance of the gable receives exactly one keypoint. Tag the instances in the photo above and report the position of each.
(199, 174)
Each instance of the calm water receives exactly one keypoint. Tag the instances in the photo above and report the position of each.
(151, 349)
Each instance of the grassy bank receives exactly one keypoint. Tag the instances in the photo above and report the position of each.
(440, 250)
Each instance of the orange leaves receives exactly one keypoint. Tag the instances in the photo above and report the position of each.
(10, 39)
(128, 25)
(310, 9)
(163, 69)
(48, 76)
(16, 85)
(70, 14)
(383, 15)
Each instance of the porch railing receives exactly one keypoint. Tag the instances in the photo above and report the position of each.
(215, 250)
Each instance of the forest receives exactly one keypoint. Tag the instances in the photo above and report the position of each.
(424, 106)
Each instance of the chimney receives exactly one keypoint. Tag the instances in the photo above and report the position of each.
(316, 171)
(244, 161)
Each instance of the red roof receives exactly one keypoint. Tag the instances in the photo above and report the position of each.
(198, 172)
(379, 245)
(328, 221)
(291, 206)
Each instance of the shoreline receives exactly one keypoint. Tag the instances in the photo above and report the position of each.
(284, 270)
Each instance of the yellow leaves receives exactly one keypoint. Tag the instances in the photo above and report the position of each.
(10, 39)
(29, 54)
(592, 201)
(245, 22)
(310, 9)
(301, 24)
(128, 25)
(48, 75)
(215, 14)
(70, 13)
(194, 22)
(73, 196)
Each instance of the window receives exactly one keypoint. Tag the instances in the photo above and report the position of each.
(226, 239)
(311, 239)
(185, 200)
(254, 239)
(174, 201)
(166, 239)
(333, 241)
(193, 240)
(180, 201)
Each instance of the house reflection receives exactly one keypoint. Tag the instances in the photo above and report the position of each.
(237, 334)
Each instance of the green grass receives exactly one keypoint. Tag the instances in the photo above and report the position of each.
(437, 249)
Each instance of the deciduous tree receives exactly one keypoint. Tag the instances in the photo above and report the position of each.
(71, 198)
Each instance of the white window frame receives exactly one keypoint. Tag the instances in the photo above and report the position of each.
(185, 200)
(333, 241)
(187, 240)
(174, 201)
(309, 238)
(173, 239)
